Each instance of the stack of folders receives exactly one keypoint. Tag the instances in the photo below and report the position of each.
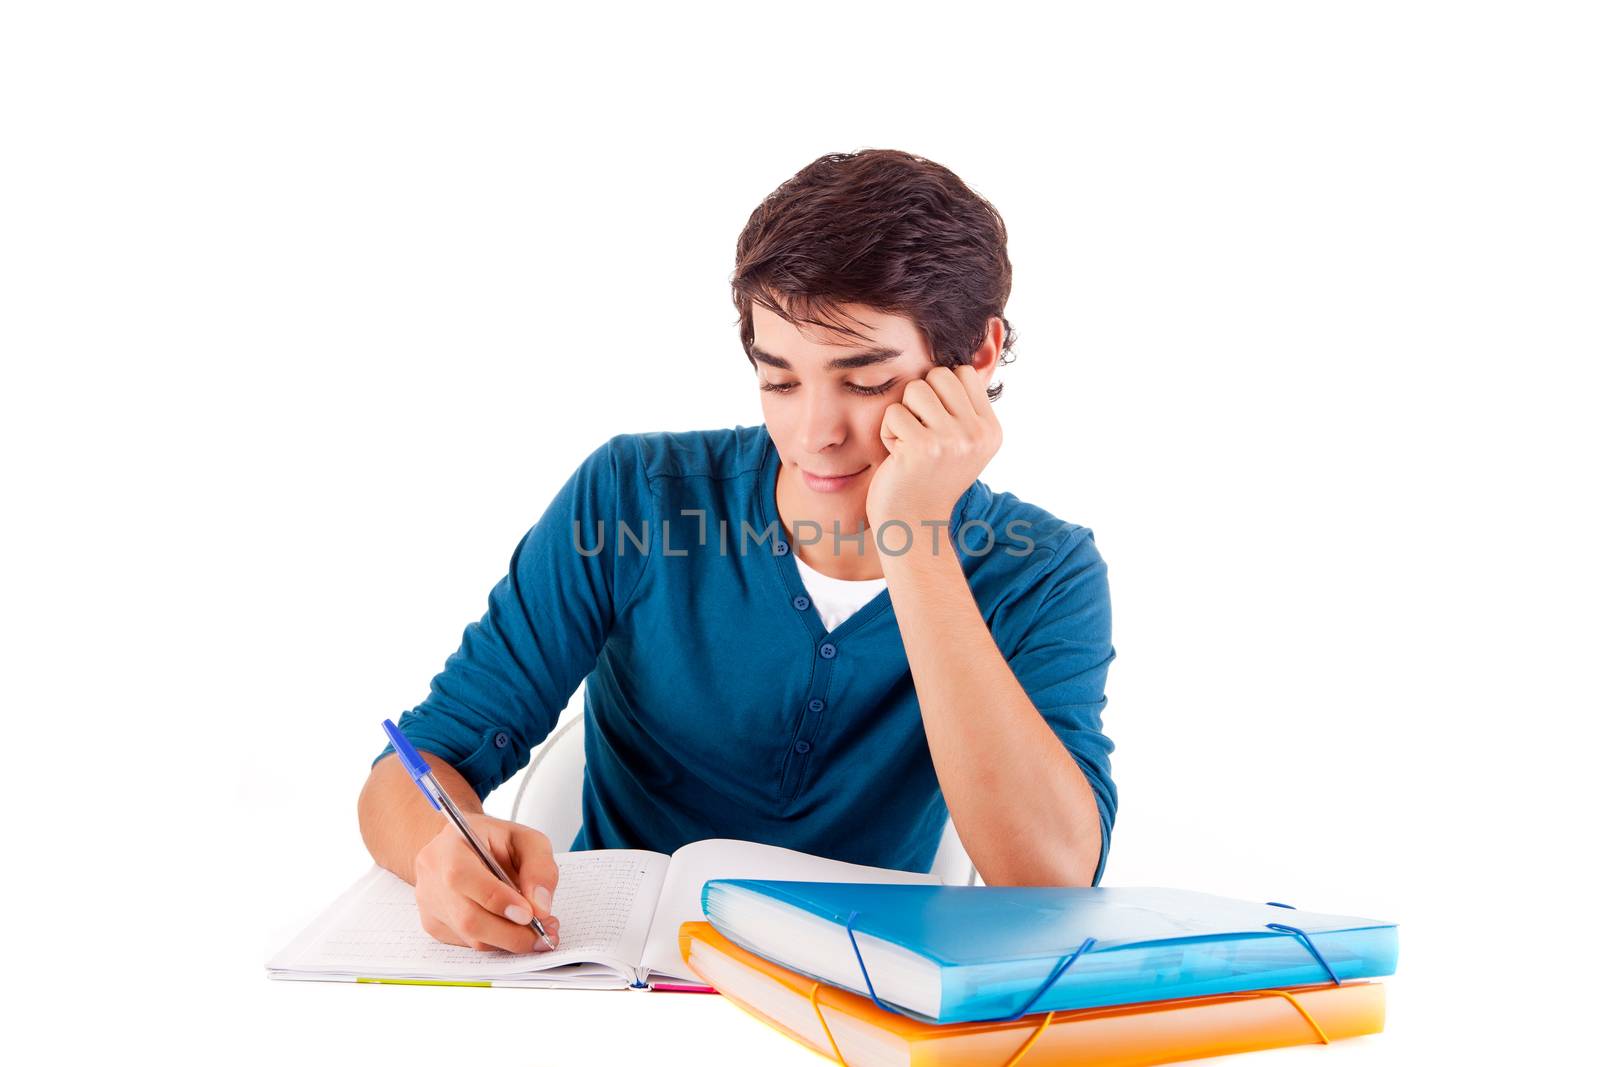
(926, 974)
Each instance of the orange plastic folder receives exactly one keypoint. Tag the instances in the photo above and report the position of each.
(852, 1030)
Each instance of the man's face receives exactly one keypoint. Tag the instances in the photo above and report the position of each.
(823, 396)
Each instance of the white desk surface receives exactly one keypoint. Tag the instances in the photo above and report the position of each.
(353, 1024)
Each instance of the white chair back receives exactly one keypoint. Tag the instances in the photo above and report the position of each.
(550, 798)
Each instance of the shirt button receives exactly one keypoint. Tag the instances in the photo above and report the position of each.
(801, 603)
(827, 651)
(815, 705)
(802, 747)
(501, 740)
(781, 548)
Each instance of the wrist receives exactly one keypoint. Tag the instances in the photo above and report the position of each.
(927, 544)
(902, 536)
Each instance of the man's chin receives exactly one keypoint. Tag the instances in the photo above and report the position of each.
(848, 510)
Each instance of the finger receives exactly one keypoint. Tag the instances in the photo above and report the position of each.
(484, 932)
(900, 425)
(953, 392)
(552, 926)
(440, 931)
(923, 402)
(470, 880)
(454, 920)
(977, 391)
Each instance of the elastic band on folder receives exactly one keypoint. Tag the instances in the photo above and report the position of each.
(1016, 1057)
(816, 986)
(1292, 999)
(871, 992)
(1305, 940)
(1026, 1045)
(1061, 968)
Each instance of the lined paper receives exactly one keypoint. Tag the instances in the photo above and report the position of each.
(604, 900)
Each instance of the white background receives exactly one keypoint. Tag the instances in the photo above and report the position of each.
(307, 309)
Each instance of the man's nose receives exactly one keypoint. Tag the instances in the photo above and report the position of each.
(822, 424)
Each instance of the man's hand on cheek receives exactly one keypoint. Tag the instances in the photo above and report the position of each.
(940, 436)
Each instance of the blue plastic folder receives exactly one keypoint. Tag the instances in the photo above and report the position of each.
(979, 953)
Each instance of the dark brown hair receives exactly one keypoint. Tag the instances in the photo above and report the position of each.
(880, 227)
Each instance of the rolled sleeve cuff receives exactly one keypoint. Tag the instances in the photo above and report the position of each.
(491, 760)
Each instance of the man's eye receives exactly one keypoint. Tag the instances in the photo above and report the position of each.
(869, 390)
(859, 390)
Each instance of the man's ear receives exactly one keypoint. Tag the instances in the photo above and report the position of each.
(986, 360)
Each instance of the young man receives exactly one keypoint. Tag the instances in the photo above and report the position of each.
(823, 632)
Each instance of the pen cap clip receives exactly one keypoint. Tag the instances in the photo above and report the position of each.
(413, 762)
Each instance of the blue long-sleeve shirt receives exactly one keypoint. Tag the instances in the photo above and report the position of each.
(716, 704)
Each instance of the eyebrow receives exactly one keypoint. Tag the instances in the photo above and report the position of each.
(867, 358)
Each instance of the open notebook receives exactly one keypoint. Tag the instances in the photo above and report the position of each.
(620, 910)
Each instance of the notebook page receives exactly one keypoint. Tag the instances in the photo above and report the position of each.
(696, 863)
(604, 900)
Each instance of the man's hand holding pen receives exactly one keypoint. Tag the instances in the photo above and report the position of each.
(462, 903)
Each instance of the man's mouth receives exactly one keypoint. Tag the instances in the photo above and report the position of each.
(829, 483)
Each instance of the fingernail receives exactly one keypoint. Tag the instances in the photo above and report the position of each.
(519, 915)
(541, 900)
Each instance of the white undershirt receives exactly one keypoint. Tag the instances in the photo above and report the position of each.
(837, 599)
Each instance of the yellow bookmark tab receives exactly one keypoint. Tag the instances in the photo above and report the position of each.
(418, 981)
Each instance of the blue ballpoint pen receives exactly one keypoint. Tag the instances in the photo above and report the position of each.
(422, 774)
